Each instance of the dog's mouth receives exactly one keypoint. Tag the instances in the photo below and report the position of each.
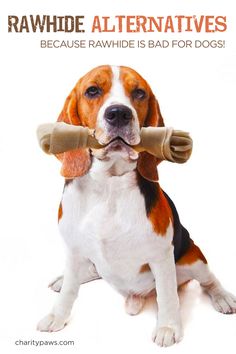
(119, 141)
(119, 146)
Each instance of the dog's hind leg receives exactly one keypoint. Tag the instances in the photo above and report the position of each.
(57, 282)
(193, 265)
(134, 304)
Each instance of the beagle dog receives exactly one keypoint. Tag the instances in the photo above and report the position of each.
(116, 221)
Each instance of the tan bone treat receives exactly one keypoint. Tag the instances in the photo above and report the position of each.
(164, 143)
(55, 138)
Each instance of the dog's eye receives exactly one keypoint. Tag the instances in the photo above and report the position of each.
(93, 91)
(138, 94)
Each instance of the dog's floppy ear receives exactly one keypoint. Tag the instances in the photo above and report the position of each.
(147, 163)
(75, 163)
(154, 117)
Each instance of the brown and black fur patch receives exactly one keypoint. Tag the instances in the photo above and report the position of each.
(157, 207)
(192, 255)
(149, 191)
(160, 209)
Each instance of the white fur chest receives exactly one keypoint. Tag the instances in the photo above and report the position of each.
(105, 221)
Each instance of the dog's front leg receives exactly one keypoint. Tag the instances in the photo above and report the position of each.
(169, 329)
(58, 317)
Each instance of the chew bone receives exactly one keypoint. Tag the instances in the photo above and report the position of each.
(164, 143)
(55, 138)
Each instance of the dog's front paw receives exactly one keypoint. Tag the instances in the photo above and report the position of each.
(224, 302)
(51, 323)
(166, 336)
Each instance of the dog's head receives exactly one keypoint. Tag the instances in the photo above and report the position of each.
(116, 102)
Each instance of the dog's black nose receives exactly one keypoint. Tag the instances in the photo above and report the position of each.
(118, 115)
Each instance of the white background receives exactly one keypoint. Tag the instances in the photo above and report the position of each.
(196, 91)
